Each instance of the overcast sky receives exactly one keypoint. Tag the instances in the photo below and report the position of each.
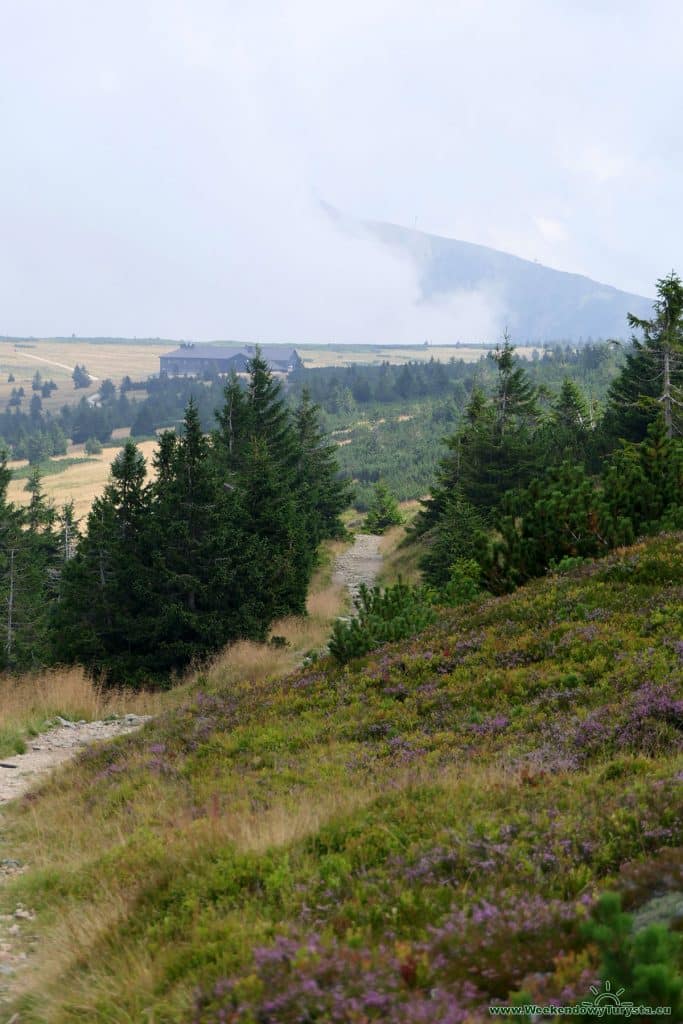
(161, 161)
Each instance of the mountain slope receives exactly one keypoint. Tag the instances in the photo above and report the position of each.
(404, 840)
(537, 302)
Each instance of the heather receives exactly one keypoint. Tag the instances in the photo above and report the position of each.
(412, 836)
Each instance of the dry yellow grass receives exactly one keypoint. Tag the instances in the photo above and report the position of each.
(331, 355)
(80, 483)
(27, 702)
(400, 561)
(55, 360)
(248, 663)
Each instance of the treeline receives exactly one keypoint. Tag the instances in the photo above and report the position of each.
(401, 450)
(217, 546)
(340, 390)
(146, 406)
(523, 488)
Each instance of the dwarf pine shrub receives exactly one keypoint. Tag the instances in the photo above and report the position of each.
(383, 616)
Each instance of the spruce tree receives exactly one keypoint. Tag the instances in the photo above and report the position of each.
(652, 379)
(515, 397)
(234, 424)
(454, 537)
(323, 494)
(106, 611)
(195, 549)
(570, 409)
(28, 574)
(384, 510)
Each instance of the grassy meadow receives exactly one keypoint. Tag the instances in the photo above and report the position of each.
(315, 356)
(56, 360)
(81, 482)
(407, 839)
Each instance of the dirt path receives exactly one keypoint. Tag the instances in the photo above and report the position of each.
(360, 563)
(20, 772)
(52, 362)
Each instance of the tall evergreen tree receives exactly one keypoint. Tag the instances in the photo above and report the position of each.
(28, 574)
(455, 536)
(570, 408)
(106, 609)
(652, 378)
(196, 550)
(234, 424)
(323, 494)
(515, 396)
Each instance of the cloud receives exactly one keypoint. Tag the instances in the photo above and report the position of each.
(162, 158)
(551, 230)
(599, 162)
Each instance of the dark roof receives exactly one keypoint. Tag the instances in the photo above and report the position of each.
(271, 353)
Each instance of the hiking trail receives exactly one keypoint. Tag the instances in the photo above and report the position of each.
(359, 564)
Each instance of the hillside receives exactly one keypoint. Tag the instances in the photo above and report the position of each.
(403, 840)
(537, 302)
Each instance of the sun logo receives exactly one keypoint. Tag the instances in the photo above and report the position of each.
(607, 996)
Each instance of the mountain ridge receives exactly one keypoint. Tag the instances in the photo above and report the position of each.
(538, 303)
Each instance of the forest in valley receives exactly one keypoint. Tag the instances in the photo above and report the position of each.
(520, 465)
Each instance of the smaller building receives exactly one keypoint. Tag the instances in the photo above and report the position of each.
(194, 360)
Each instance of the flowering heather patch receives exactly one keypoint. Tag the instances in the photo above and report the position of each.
(474, 957)
(404, 839)
(650, 719)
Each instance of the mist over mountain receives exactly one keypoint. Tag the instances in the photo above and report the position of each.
(536, 302)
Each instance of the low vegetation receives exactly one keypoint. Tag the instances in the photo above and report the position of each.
(411, 837)
(30, 703)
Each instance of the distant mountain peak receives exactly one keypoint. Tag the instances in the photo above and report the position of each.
(540, 303)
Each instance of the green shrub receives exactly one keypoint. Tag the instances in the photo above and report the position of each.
(93, 446)
(383, 512)
(463, 585)
(644, 963)
(396, 613)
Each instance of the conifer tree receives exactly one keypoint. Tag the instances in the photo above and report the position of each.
(106, 611)
(323, 495)
(384, 510)
(234, 424)
(195, 549)
(282, 558)
(455, 536)
(570, 409)
(652, 379)
(515, 396)
(28, 572)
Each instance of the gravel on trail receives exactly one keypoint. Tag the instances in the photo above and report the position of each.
(18, 774)
(359, 564)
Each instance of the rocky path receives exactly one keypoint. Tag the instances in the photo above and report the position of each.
(360, 563)
(18, 774)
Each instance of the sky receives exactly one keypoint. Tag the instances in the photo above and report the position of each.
(162, 162)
